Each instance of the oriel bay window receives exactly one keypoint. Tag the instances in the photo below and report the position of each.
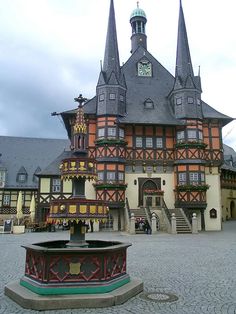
(180, 136)
(111, 132)
(111, 176)
(182, 178)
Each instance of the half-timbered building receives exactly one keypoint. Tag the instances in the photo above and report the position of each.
(155, 141)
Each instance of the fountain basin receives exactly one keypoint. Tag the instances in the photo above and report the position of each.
(52, 268)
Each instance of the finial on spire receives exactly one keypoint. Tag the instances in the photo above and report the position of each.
(138, 4)
(80, 100)
(199, 70)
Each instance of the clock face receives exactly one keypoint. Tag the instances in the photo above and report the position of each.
(144, 68)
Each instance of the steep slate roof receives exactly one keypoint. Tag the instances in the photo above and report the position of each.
(157, 88)
(30, 153)
(53, 167)
(139, 89)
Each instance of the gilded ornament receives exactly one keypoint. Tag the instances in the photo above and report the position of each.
(74, 268)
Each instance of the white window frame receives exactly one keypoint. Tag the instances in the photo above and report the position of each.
(112, 96)
(182, 178)
(111, 132)
(192, 134)
(101, 132)
(102, 97)
(111, 175)
(56, 185)
(121, 133)
(159, 142)
(200, 135)
(120, 176)
(190, 100)
(180, 136)
(100, 176)
(193, 177)
(149, 142)
(6, 200)
(138, 141)
(179, 101)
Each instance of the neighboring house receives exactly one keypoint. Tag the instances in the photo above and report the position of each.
(21, 160)
(228, 184)
(154, 139)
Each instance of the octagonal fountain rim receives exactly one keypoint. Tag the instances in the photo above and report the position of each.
(53, 246)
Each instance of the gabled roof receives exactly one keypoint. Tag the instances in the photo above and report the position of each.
(29, 153)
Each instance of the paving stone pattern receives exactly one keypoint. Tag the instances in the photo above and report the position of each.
(199, 270)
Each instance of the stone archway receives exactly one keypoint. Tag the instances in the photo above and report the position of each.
(232, 210)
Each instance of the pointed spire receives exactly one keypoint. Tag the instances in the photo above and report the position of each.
(111, 61)
(80, 125)
(183, 58)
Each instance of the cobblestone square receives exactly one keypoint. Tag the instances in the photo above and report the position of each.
(192, 274)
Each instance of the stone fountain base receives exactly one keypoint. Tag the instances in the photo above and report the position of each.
(58, 276)
(30, 300)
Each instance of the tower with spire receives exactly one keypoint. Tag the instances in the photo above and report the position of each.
(154, 140)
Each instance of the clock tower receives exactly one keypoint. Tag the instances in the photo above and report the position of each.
(138, 22)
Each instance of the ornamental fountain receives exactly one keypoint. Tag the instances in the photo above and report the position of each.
(77, 272)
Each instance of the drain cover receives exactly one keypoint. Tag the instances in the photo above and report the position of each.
(158, 296)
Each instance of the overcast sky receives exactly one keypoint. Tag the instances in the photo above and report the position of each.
(50, 51)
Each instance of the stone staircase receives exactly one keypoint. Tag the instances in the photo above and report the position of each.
(182, 223)
(141, 213)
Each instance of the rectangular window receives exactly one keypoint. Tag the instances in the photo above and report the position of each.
(198, 101)
(200, 136)
(112, 96)
(120, 176)
(190, 100)
(111, 175)
(100, 176)
(101, 132)
(158, 201)
(178, 101)
(121, 133)
(202, 177)
(21, 177)
(6, 200)
(56, 185)
(192, 134)
(139, 142)
(111, 132)
(122, 98)
(159, 142)
(180, 136)
(149, 142)
(182, 178)
(193, 177)
(101, 97)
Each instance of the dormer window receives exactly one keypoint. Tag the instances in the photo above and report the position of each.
(148, 104)
(21, 175)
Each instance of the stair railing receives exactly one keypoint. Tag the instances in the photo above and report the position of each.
(167, 215)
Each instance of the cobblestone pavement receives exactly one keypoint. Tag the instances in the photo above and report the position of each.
(199, 270)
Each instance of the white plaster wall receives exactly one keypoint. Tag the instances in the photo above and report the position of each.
(132, 190)
(67, 186)
(89, 190)
(213, 201)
